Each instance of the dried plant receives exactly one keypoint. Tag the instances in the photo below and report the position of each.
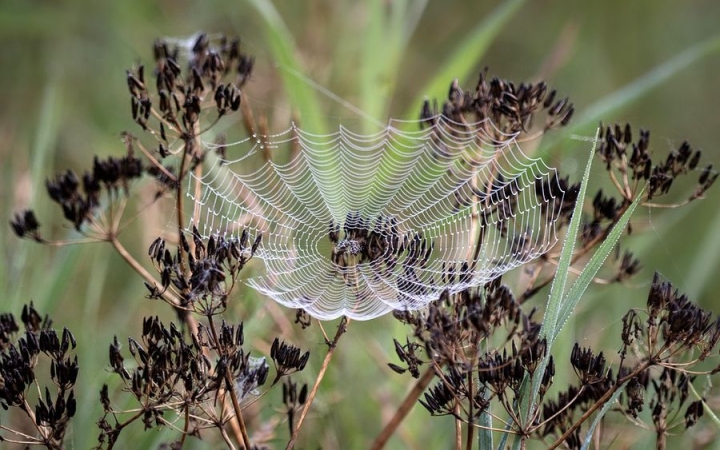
(43, 407)
(482, 355)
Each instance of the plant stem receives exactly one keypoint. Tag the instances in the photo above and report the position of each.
(342, 327)
(238, 411)
(458, 428)
(185, 427)
(137, 267)
(404, 408)
(471, 428)
(598, 404)
(231, 390)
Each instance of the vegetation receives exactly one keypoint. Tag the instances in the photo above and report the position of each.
(529, 360)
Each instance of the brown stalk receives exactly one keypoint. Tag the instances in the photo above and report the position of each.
(137, 267)
(332, 345)
(598, 404)
(471, 429)
(245, 439)
(247, 114)
(404, 408)
(458, 428)
(265, 137)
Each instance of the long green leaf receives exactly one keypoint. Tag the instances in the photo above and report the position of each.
(45, 134)
(386, 38)
(557, 292)
(598, 417)
(282, 46)
(465, 58)
(376, 55)
(557, 288)
(593, 266)
(578, 288)
(485, 435)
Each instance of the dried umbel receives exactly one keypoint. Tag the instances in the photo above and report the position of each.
(25, 361)
(205, 280)
(93, 202)
(669, 340)
(422, 223)
(173, 379)
(511, 108)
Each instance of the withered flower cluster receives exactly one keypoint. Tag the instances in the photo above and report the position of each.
(23, 362)
(510, 107)
(170, 374)
(179, 98)
(674, 335)
(669, 340)
(25, 224)
(201, 281)
(215, 73)
(616, 148)
(383, 242)
(288, 358)
(631, 167)
(450, 334)
(80, 200)
(174, 379)
(481, 344)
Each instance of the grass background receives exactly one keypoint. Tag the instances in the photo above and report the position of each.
(654, 63)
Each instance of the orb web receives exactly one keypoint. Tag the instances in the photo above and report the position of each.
(360, 225)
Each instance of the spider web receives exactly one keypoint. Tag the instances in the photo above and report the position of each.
(360, 225)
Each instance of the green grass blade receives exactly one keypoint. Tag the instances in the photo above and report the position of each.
(598, 417)
(557, 293)
(282, 46)
(377, 53)
(593, 266)
(503, 440)
(561, 306)
(557, 288)
(485, 435)
(464, 60)
(45, 133)
(634, 90)
(386, 39)
(302, 95)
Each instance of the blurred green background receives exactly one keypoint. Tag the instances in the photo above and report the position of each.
(654, 63)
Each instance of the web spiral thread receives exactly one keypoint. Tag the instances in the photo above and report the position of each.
(360, 225)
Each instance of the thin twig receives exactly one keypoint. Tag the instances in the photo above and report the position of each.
(458, 428)
(185, 427)
(405, 407)
(332, 345)
(470, 430)
(137, 267)
(230, 390)
(598, 404)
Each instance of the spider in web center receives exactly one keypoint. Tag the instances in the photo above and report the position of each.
(381, 246)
